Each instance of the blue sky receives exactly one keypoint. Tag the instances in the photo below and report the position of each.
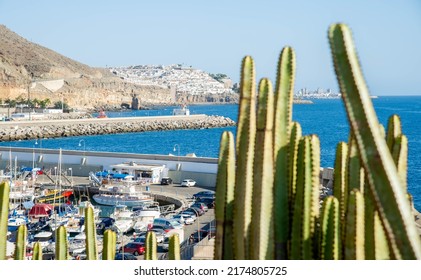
(216, 35)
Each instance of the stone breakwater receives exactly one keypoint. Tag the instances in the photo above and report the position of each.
(24, 131)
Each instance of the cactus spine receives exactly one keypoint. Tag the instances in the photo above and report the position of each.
(62, 251)
(20, 249)
(37, 252)
(225, 198)
(4, 212)
(151, 253)
(90, 232)
(174, 247)
(109, 245)
(382, 174)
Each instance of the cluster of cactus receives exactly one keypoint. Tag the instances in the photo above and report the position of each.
(267, 194)
(61, 245)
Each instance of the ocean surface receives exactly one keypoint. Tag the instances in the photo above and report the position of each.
(326, 118)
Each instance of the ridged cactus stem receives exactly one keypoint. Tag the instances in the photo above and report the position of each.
(383, 177)
(330, 238)
(174, 247)
(37, 252)
(4, 212)
(151, 251)
(20, 249)
(246, 133)
(305, 212)
(400, 156)
(394, 129)
(109, 245)
(355, 232)
(296, 134)
(62, 250)
(90, 232)
(340, 184)
(382, 251)
(224, 201)
(355, 171)
(262, 233)
(282, 126)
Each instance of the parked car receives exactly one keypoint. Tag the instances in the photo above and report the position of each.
(167, 224)
(188, 183)
(204, 194)
(183, 219)
(201, 205)
(199, 210)
(210, 202)
(189, 214)
(142, 238)
(125, 256)
(135, 248)
(194, 211)
(166, 181)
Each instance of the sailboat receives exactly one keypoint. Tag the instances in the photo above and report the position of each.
(54, 194)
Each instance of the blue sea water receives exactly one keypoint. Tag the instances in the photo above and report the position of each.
(326, 118)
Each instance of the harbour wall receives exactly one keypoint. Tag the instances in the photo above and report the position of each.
(202, 170)
(25, 130)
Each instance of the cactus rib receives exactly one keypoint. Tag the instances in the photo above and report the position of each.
(246, 133)
(37, 252)
(174, 247)
(4, 212)
(109, 245)
(90, 232)
(20, 248)
(62, 251)
(282, 126)
(151, 253)
(224, 201)
(262, 211)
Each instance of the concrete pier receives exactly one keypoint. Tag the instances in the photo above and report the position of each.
(35, 129)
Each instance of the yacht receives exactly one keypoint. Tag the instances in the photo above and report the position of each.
(124, 194)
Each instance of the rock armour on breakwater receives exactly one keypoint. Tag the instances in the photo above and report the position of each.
(56, 130)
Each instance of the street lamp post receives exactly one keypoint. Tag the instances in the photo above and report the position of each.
(71, 176)
(40, 147)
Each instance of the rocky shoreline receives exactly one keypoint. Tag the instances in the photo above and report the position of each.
(14, 132)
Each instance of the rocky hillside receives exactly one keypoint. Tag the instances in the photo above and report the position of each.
(50, 75)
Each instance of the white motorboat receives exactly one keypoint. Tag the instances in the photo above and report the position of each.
(144, 217)
(124, 194)
(13, 223)
(123, 217)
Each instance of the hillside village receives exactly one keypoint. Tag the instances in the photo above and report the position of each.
(183, 80)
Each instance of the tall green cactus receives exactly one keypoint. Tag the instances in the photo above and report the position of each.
(382, 174)
(62, 250)
(174, 247)
(246, 133)
(306, 207)
(37, 252)
(261, 246)
(109, 245)
(281, 136)
(355, 232)
(90, 232)
(330, 239)
(20, 248)
(4, 212)
(151, 253)
(225, 199)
